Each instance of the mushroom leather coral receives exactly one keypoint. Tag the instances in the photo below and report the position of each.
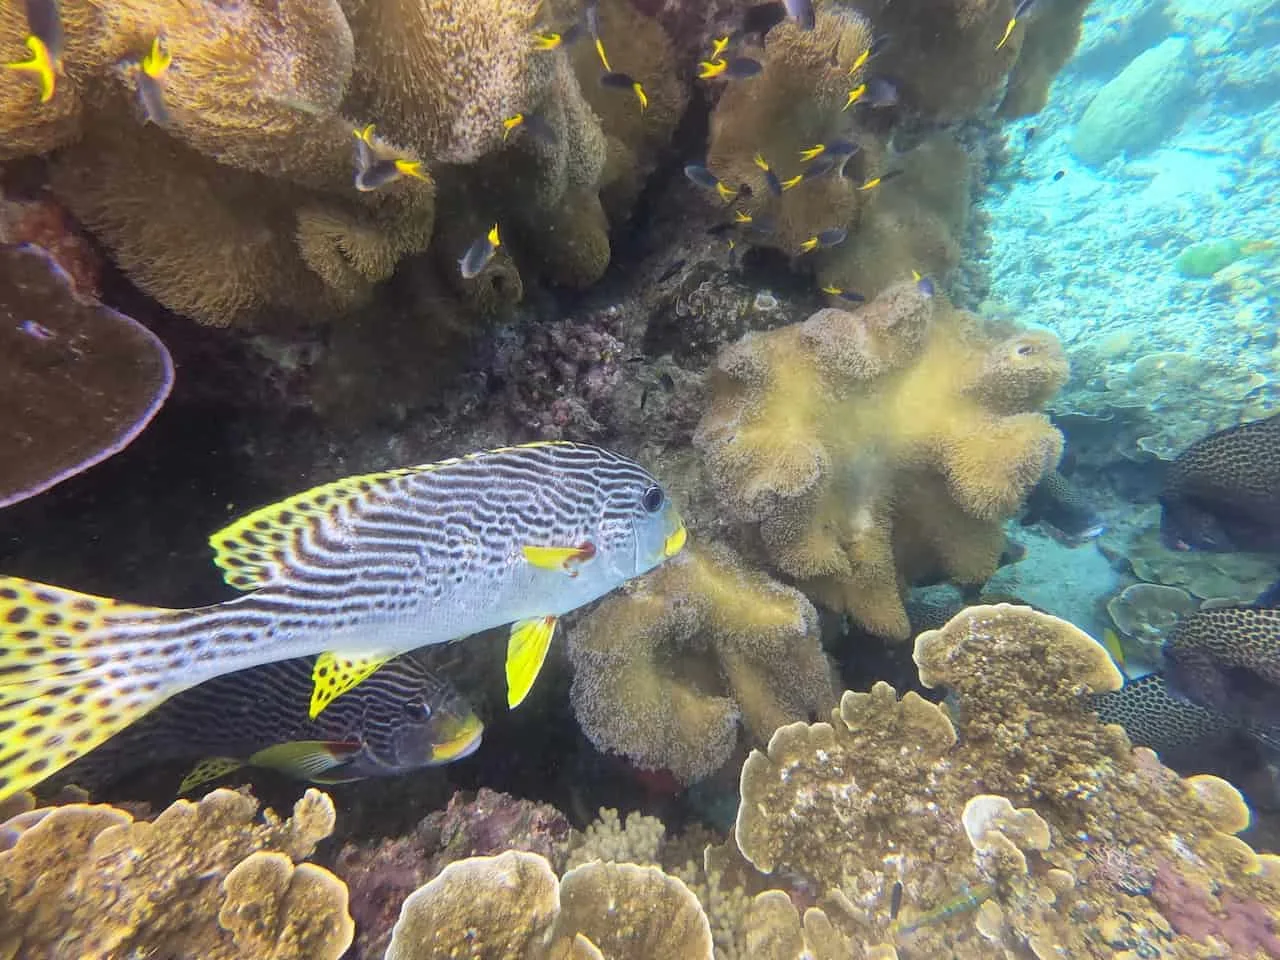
(882, 446)
(1024, 819)
(663, 672)
(203, 879)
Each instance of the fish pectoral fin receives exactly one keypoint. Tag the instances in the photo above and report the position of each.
(207, 770)
(526, 651)
(306, 759)
(562, 559)
(336, 673)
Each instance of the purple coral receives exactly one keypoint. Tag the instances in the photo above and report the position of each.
(1245, 925)
(557, 380)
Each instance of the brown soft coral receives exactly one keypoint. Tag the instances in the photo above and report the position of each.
(1022, 824)
(1050, 40)
(89, 882)
(912, 223)
(441, 75)
(663, 672)
(884, 445)
(796, 102)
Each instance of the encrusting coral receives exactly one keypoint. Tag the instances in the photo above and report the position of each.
(882, 446)
(203, 879)
(1017, 824)
(664, 671)
(513, 906)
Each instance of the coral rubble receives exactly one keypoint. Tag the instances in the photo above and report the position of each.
(877, 447)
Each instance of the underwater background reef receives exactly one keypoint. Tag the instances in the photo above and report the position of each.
(949, 327)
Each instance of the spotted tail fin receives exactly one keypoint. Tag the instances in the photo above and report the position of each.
(74, 670)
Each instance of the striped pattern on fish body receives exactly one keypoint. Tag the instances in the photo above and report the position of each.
(401, 718)
(358, 571)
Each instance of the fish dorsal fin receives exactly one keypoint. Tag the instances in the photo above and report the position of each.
(335, 673)
(252, 551)
(208, 769)
(306, 759)
(256, 549)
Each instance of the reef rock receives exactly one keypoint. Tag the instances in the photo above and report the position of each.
(1140, 107)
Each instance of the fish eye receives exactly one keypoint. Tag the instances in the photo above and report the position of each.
(653, 499)
(414, 708)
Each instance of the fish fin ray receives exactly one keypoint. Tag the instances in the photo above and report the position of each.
(70, 677)
(208, 770)
(335, 673)
(526, 652)
(306, 759)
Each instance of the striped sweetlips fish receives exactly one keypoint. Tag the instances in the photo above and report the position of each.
(357, 571)
(400, 719)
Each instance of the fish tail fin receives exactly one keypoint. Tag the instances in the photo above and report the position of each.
(75, 670)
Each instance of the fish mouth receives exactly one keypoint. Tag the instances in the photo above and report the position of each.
(464, 742)
(675, 540)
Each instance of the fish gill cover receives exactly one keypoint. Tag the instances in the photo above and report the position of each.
(902, 307)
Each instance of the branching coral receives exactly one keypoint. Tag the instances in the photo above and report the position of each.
(663, 672)
(81, 381)
(201, 879)
(881, 446)
(512, 905)
(1024, 825)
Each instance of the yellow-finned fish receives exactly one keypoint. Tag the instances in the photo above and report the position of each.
(45, 41)
(856, 94)
(357, 571)
(376, 165)
(624, 81)
(1021, 10)
(479, 254)
(402, 718)
(149, 74)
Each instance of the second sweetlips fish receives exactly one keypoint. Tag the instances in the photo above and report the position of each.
(402, 718)
(358, 571)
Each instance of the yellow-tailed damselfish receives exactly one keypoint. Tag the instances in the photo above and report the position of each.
(876, 181)
(479, 254)
(832, 148)
(704, 178)
(45, 41)
(775, 184)
(848, 296)
(831, 237)
(624, 81)
(534, 124)
(734, 68)
(357, 571)
(376, 166)
(1021, 10)
(148, 78)
(856, 94)
(876, 47)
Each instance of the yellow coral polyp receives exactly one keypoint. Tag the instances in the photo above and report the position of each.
(876, 447)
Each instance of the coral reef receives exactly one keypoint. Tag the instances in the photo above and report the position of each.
(1146, 612)
(878, 447)
(512, 905)
(202, 879)
(80, 380)
(664, 672)
(381, 874)
(1023, 824)
(1139, 108)
(1050, 40)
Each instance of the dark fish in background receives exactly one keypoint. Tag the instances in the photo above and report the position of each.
(1059, 175)
(759, 20)
(1154, 717)
(700, 175)
(881, 92)
(1058, 503)
(1223, 492)
(401, 718)
(1227, 659)
(671, 271)
(615, 80)
(802, 12)
(848, 296)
